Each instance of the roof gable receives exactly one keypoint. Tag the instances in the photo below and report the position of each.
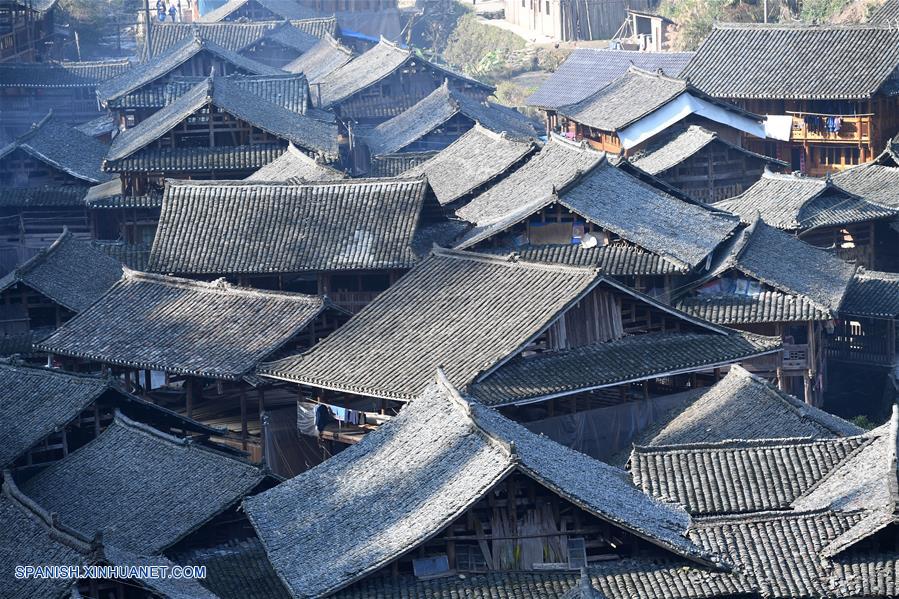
(283, 9)
(173, 486)
(70, 272)
(587, 70)
(556, 165)
(234, 99)
(437, 108)
(794, 203)
(295, 165)
(184, 326)
(771, 61)
(873, 294)
(877, 183)
(62, 147)
(469, 312)
(413, 476)
(257, 227)
(476, 159)
(324, 58)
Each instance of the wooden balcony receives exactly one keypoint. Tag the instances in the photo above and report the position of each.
(852, 129)
(866, 341)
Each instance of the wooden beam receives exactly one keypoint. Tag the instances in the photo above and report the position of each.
(243, 419)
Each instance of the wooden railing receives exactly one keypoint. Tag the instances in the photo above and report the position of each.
(853, 128)
(352, 300)
(851, 342)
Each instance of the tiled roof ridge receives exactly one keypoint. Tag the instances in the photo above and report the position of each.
(44, 253)
(875, 275)
(763, 516)
(220, 285)
(572, 144)
(464, 407)
(659, 74)
(35, 127)
(798, 25)
(497, 135)
(55, 529)
(380, 181)
(510, 263)
(736, 444)
(6, 363)
(66, 63)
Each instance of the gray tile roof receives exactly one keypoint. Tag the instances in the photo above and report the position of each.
(680, 143)
(35, 402)
(796, 203)
(394, 165)
(185, 160)
(587, 70)
(559, 163)
(888, 12)
(629, 359)
(285, 9)
(305, 132)
(437, 108)
(781, 552)
(63, 148)
(28, 537)
(236, 570)
(295, 165)
(290, 91)
(168, 587)
(742, 406)
(647, 578)
(413, 476)
(873, 294)
(616, 260)
(322, 59)
(464, 312)
(70, 272)
(639, 213)
(372, 66)
(783, 61)
(235, 36)
(626, 100)
(133, 79)
(814, 274)
(43, 196)
(60, 74)
(734, 477)
(181, 326)
(172, 486)
(768, 306)
(875, 182)
(256, 227)
(475, 160)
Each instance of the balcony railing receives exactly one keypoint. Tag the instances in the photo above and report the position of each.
(816, 127)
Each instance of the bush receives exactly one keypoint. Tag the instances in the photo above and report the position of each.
(864, 422)
(821, 11)
(482, 50)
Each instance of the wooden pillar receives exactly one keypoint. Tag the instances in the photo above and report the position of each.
(261, 393)
(189, 384)
(148, 382)
(812, 366)
(96, 420)
(243, 419)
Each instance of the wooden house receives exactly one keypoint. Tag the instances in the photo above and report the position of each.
(564, 20)
(66, 88)
(571, 204)
(141, 91)
(646, 31)
(818, 123)
(193, 346)
(703, 164)
(821, 213)
(274, 43)
(471, 164)
(471, 480)
(44, 176)
(768, 282)
(32, 532)
(51, 287)
(626, 115)
(587, 70)
(385, 81)
(218, 128)
(57, 412)
(431, 125)
(533, 338)
(26, 30)
(346, 239)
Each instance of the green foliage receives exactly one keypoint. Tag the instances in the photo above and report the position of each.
(694, 18)
(821, 11)
(481, 50)
(863, 422)
(95, 18)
